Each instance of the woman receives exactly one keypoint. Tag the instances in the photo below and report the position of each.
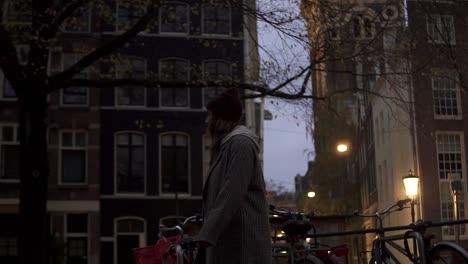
(236, 227)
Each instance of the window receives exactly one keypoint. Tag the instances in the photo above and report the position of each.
(363, 27)
(128, 13)
(446, 97)
(77, 238)
(130, 95)
(174, 18)
(73, 157)
(215, 71)
(174, 163)
(129, 234)
(130, 163)
(80, 21)
(9, 153)
(177, 71)
(18, 12)
(216, 19)
(450, 156)
(8, 249)
(7, 92)
(441, 29)
(74, 95)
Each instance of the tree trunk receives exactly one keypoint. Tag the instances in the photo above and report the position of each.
(33, 232)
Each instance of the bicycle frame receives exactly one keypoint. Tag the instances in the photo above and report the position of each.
(381, 242)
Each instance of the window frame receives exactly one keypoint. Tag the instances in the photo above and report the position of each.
(189, 164)
(145, 170)
(3, 81)
(360, 21)
(160, 66)
(204, 72)
(73, 148)
(117, 74)
(78, 235)
(15, 142)
(438, 38)
(142, 236)
(187, 10)
(213, 4)
(445, 181)
(456, 89)
(5, 18)
(117, 20)
(75, 57)
(89, 22)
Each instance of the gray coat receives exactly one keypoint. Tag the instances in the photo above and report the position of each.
(235, 209)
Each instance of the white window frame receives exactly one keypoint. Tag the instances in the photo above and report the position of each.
(88, 30)
(78, 235)
(117, 22)
(447, 180)
(5, 15)
(141, 236)
(230, 66)
(15, 142)
(118, 73)
(435, 35)
(187, 7)
(160, 103)
(145, 165)
(75, 58)
(459, 115)
(73, 147)
(189, 165)
(228, 6)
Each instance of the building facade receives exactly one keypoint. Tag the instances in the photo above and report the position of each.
(124, 160)
(405, 66)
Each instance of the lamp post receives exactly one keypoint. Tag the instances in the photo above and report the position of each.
(411, 183)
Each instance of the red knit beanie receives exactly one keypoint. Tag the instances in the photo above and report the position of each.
(226, 106)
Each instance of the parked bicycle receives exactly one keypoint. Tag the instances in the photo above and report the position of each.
(174, 245)
(299, 248)
(418, 247)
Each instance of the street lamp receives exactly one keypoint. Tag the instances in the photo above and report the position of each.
(411, 183)
(311, 194)
(342, 148)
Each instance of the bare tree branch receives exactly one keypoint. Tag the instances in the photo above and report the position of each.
(105, 49)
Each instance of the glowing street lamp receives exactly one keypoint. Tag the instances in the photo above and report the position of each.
(411, 183)
(342, 148)
(311, 194)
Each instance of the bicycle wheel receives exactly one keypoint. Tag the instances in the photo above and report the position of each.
(447, 253)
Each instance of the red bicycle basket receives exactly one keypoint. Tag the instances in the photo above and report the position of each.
(155, 254)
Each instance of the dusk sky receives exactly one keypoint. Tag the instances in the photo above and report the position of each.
(285, 148)
(286, 143)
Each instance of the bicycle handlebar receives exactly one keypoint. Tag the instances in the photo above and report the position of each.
(399, 204)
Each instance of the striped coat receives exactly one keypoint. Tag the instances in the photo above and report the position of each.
(235, 208)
